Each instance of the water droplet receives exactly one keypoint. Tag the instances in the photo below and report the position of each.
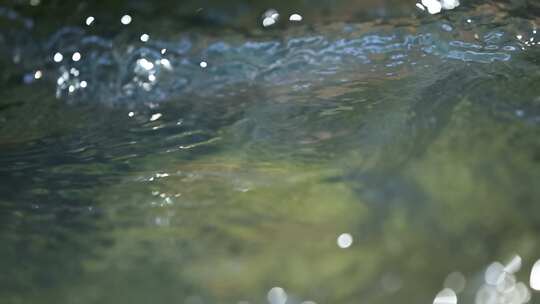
(295, 18)
(514, 265)
(165, 63)
(535, 276)
(446, 296)
(270, 17)
(344, 240)
(145, 64)
(90, 20)
(446, 27)
(76, 56)
(267, 21)
(74, 72)
(277, 295)
(433, 6)
(507, 283)
(449, 4)
(58, 57)
(155, 116)
(126, 19)
(494, 273)
(145, 37)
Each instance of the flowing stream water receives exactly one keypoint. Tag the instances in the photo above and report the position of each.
(372, 153)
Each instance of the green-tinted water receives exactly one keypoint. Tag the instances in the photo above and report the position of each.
(369, 154)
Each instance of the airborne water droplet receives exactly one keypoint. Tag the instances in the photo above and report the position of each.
(446, 296)
(277, 295)
(535, 276)
(295, 18)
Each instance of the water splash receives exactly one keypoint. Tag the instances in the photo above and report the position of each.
(121, 69)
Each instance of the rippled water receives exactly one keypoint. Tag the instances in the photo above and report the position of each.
(387, 157)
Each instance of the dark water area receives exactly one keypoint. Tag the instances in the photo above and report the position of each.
(211, 152)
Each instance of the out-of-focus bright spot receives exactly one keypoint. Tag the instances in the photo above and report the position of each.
(90, 20)
(83, 84)
(277, 295)
(76, 56)
(295, 18)
(514, 265)
(519, 37)
(203, 64)
(455, 281)
(58, 57)
(469, 21)
(420, 6)
(155, 117)
(152, 77)
(164, 221)
(71, 88)
(163, 51)
(35, 2)
(267, 21)
(502, 286)
(494, 273)
(523, 292)
(146, 86)
(433, 6)
(145, 37)
(534, 281)
(270, 17)
(165, 63)
(126, 19)
(145, 64)
(38, 74)
(486, 295)
(507, 283)
(446, 27)
(449, 4)
(74, 72)
(344, 240)
(131, 114)
(446, 296)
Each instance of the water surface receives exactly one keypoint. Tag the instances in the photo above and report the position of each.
(370, 153)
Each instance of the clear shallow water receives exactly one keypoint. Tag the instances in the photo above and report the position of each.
(162, 181)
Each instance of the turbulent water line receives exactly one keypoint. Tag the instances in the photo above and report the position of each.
(118, 70)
